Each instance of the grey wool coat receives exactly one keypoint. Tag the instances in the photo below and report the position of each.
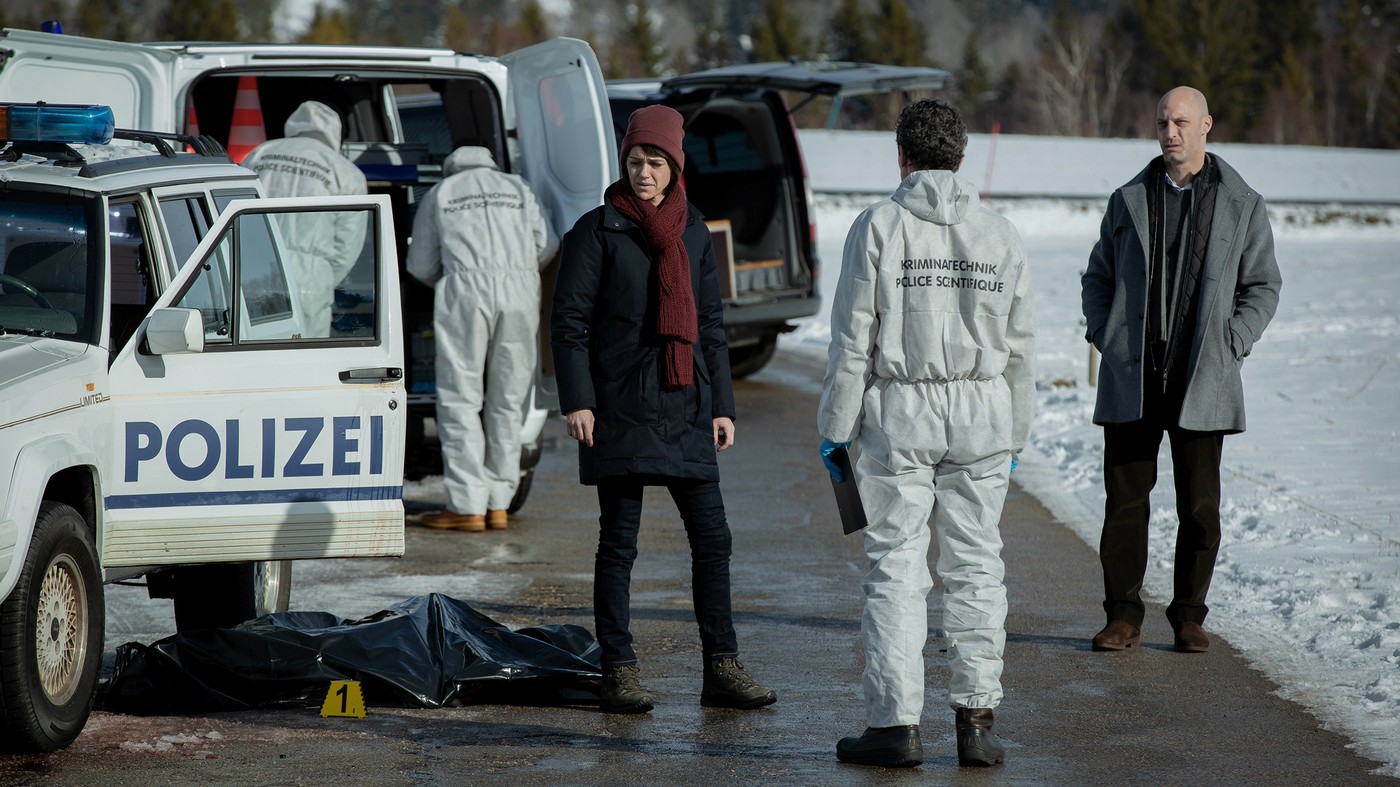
(1238, 294)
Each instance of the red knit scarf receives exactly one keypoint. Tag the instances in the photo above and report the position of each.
(663, 226)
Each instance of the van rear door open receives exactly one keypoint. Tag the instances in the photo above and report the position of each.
(132, 79)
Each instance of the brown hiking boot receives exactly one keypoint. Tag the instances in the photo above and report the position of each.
(447, 519)
(728, 686)
(622, 691)
(1117, 635)
(496, 519)
(1191, 638)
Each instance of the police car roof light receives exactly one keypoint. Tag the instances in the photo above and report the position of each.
(73, 123)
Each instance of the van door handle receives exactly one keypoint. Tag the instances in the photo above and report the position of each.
(377, 374)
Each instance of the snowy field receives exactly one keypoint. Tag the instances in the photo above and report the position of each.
(1308, 579)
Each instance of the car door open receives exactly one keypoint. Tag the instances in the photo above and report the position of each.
(271, 443)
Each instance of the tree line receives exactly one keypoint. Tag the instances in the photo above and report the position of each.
(1315, 72)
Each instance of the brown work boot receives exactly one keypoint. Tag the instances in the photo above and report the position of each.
(727, 685)
(1117, 635)
(496, 519)
(622, 691)
(447, 519)
(976, 743)
(1191, 638)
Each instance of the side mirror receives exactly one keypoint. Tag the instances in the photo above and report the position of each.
(174, 330)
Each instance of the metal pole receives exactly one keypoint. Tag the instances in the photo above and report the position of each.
(1093, 366)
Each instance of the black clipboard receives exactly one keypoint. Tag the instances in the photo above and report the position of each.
(847, 495)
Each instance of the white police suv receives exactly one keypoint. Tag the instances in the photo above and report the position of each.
(541, 110)
(162, 412)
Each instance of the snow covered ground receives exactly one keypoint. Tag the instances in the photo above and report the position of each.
(1308, 579)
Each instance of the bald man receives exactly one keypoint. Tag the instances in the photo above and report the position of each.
(1179, 287)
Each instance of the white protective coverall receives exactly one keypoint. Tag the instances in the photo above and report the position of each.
(321, 248)
(930, 372)
(480, 239)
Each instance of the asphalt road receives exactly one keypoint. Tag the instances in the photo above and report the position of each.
(1070, 716)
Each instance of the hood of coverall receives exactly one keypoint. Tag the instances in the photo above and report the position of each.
(937, 195)
(317, 121)
(466, 158)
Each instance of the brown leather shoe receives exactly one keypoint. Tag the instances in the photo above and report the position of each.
(447, 519)
(1191, 638)
(1117, 635)
(496, 519)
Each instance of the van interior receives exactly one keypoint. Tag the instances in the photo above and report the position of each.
(736, 171)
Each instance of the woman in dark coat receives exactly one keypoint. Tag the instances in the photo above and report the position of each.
(643, 373)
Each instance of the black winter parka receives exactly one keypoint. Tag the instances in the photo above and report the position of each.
(607, 355)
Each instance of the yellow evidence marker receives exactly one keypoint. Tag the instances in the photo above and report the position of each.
(344, 699)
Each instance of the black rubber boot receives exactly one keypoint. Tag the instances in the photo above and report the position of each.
(728, 686)
(976, 743)
(888, 747)
(622, 691)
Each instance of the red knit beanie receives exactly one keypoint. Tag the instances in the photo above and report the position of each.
(656, 125)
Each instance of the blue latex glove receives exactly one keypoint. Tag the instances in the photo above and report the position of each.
(827, 448)
(1013, 465)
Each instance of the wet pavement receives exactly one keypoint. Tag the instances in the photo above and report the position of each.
(1070, 716)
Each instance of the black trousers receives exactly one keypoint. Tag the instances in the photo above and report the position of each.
(1130, 472)
(702, 511)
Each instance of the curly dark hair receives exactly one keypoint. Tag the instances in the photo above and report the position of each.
(932, 135)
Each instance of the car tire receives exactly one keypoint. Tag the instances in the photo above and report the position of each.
(744, 361)
(522, 491)
(51, 630)
(222, 595)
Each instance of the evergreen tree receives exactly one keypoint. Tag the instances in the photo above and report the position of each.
(974, 86)
(364, 21)
(1212, 46)
(850, 33)
(200, 20)
(327, 26)
(713, 48)
(641, 34)
(460, 30)
(256, 18)
(899, 37)
(532, 26)
(777, 34)
(103, 19)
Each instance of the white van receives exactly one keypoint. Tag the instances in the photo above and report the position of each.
(162, 413)
(543, 110)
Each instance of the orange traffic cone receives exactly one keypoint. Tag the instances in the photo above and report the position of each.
(247, 131)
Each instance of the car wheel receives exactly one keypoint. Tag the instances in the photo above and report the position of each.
(51, 629)
(527, 477)
(222, 595)
(744, 361)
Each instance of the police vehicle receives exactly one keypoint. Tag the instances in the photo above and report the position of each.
(542, 110)
(162, 414)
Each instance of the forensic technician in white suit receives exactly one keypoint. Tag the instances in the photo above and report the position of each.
(930, 375)
(480, 239)
(321, 247)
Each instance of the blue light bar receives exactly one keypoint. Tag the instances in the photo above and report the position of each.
(92, 124)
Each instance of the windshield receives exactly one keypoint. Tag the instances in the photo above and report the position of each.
(50, 275)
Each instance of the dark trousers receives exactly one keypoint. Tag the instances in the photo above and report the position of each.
(702, 510)
(1130, 472)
